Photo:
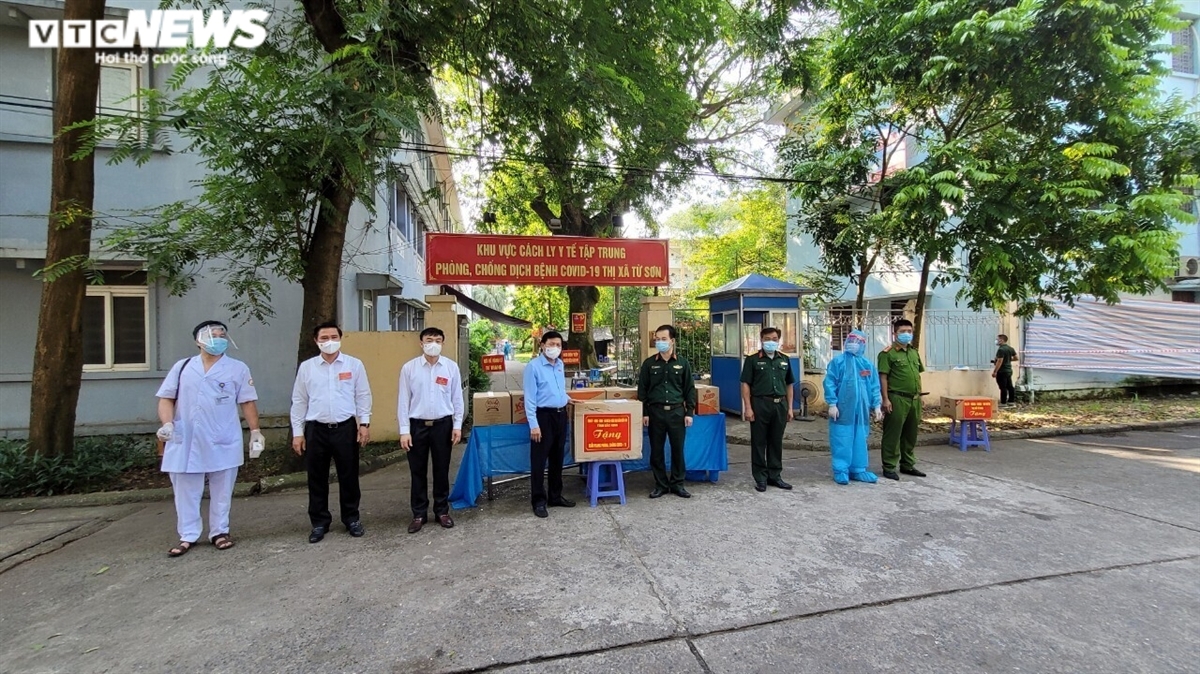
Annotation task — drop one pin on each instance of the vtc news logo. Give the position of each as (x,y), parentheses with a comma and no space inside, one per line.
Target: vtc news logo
(171,28)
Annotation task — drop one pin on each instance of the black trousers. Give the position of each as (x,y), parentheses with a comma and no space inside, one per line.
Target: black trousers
(430,439)
(548,450)
(339,444)
(1008,392)
(666,424)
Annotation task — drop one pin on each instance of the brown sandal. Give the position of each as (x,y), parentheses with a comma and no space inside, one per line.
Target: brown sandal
(222,542)
(179,550)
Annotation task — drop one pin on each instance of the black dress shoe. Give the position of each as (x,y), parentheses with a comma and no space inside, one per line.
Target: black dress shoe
(760,486)
(658,492)
(540,511)
(416,524)
(891,475)
(561,502)
(317,534)
(681,492)
(356,529)
(779,483)
(912,471)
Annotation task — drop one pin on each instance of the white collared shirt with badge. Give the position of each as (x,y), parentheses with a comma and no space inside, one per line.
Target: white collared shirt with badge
(429,391)
(208,428)
(330,392)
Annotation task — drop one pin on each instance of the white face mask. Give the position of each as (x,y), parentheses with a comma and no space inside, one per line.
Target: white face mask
(330,347)
(552,352)
(432,349)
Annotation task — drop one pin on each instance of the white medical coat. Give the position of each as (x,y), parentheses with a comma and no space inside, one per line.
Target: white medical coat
(208,430)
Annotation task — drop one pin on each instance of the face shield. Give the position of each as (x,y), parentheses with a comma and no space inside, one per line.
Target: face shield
(855,343)
(214,339)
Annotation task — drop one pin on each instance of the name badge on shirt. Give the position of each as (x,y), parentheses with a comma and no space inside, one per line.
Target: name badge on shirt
(442,381)
(343,376)
(221,400)
(864,373)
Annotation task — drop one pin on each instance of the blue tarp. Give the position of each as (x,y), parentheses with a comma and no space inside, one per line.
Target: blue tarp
(504,450)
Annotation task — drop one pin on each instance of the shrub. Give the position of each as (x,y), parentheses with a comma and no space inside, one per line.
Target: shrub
(94,465)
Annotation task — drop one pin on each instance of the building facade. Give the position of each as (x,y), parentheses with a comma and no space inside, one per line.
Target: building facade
(134,331)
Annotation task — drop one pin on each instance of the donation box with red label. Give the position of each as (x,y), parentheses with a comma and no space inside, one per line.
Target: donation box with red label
(968,408)
(607,430)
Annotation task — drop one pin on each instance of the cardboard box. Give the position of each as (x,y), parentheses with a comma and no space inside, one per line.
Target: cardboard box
(618,393)
(492,408)
(708,399)
(607,430)
(581,394)
(518,407)
(968,408)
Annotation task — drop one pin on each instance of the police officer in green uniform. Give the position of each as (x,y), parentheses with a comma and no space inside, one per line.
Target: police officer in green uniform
(668,397)
(767,393)
(900,371)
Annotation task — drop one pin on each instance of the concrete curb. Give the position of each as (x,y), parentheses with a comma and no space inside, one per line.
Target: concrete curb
(927,439)
(266,485)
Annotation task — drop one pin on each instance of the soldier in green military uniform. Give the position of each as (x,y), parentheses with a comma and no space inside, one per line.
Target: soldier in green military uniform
(668,396)
(767,393)
(900,371)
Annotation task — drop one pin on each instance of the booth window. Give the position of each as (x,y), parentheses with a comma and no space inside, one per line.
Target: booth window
(732,338)
(751,340)
(788,324)
(115,321)
(718,334)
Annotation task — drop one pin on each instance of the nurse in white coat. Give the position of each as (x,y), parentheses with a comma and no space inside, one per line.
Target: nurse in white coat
(198,407)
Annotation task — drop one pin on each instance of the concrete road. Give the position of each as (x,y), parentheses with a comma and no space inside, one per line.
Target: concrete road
(1078,554)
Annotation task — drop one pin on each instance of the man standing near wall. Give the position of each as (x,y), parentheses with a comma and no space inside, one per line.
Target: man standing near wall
(1003,371)
(331,419)
(668,393)
(767,394)
(430,410)
(900,371)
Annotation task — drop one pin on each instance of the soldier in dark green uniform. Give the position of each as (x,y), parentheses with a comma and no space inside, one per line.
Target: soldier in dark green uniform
(767,393)
(900,371)
(668,397)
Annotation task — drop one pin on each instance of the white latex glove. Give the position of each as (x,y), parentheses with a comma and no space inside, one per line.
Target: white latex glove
(833,412)
(257,442)
(878,414)
(165,433)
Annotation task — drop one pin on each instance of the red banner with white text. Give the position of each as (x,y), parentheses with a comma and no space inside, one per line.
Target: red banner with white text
(490,259)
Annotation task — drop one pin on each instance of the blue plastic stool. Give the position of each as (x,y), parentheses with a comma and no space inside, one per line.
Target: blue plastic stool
(598,488)
(970,433)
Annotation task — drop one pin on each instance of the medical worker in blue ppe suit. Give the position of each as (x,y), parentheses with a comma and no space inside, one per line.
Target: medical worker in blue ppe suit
(852,392)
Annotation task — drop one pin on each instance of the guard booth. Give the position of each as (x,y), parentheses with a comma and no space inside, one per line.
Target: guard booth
(739,310)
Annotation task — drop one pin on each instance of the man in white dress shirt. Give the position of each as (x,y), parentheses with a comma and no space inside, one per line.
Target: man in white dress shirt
(331,419)
(430,410)
(198,407)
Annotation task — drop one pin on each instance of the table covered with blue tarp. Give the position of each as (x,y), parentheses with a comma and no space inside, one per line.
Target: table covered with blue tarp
(504,450)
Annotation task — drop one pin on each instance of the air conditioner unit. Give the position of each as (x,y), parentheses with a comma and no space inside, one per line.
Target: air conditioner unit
(1189,266)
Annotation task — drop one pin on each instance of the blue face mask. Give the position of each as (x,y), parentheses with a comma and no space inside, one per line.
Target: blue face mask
(904,338)
(853,347)
(770,347)
(662,345)
(217,346)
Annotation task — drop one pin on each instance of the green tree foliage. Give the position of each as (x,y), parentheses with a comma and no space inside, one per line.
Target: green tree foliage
(739,235)
(1041,163)
(610,106)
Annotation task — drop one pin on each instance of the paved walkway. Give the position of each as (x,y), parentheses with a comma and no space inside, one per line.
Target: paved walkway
(1074,554)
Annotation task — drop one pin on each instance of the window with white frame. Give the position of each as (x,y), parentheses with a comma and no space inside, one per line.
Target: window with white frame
(116,324)
(1183,54)
(788,324)
(118,93)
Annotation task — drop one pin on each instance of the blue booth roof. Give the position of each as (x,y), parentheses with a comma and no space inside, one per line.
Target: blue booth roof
(757,284)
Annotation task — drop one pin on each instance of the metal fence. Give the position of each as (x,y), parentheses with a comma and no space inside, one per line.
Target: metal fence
(953,338)
(694,328)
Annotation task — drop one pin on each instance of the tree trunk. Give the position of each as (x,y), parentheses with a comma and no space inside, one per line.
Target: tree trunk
(324,264)
(58,354)
(922,292)
(583,300)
